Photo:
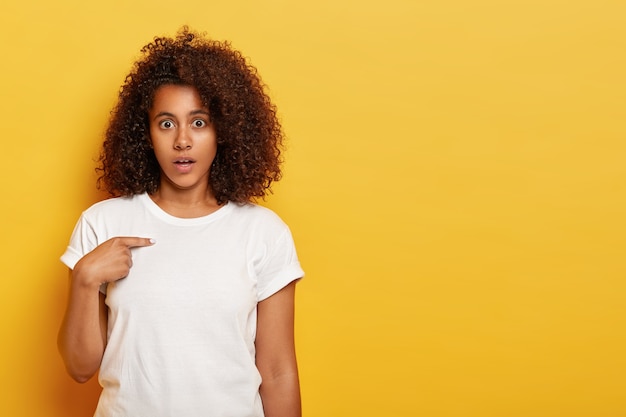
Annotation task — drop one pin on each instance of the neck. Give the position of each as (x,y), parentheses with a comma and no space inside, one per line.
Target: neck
(185,203)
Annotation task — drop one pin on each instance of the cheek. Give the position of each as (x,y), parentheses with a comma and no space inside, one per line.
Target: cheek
(208,140)
(160,147)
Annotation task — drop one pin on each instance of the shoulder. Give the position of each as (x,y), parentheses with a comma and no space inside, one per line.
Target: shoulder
(112,206)
(258,218)
(256,212)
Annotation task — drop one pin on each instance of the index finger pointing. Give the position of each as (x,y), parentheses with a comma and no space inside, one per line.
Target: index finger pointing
(134,241)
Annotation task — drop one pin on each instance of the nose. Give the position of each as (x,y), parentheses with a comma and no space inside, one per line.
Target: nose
(182,141)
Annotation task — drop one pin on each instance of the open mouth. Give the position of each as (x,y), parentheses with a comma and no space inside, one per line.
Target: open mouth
(183,165)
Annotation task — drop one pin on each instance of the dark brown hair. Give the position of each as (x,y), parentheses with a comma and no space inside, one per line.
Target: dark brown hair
(249,135)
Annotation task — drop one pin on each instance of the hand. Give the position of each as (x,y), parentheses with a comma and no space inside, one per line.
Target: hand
(109,261)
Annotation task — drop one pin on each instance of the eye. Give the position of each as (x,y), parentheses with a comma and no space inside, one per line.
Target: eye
(166,124)
(198,123)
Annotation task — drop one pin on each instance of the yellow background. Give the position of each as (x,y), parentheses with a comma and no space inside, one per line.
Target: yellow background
(455,183)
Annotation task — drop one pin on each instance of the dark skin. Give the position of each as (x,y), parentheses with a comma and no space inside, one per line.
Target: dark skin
(180,132)
(249,133)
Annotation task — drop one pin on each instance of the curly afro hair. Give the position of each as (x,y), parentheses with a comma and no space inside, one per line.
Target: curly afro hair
(249,135)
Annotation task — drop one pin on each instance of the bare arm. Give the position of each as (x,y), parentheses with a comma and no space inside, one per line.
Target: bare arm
(276,356)
(82,336)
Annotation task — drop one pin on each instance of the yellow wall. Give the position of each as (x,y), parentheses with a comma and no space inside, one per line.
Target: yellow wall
(455,184)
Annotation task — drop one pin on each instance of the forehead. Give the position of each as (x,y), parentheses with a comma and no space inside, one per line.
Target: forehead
(176,97)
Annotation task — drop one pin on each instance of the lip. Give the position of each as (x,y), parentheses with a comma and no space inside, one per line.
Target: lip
(184,164)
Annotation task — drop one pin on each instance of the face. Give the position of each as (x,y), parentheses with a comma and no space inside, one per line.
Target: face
(183,138)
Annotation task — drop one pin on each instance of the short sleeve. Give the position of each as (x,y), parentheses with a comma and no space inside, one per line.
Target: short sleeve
(279,266)
(82,241)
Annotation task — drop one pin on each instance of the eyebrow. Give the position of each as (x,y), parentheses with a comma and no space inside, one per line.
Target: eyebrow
(191,113)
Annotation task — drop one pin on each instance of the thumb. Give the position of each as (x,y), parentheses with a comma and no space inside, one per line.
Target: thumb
(134,241)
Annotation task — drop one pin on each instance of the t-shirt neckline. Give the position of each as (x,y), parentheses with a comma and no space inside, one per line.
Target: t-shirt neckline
(181,221)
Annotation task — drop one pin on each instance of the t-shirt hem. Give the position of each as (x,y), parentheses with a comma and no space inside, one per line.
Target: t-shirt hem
(291,273)
(70,257)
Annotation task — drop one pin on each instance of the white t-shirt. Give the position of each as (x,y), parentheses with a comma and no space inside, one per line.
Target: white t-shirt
(182,324)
